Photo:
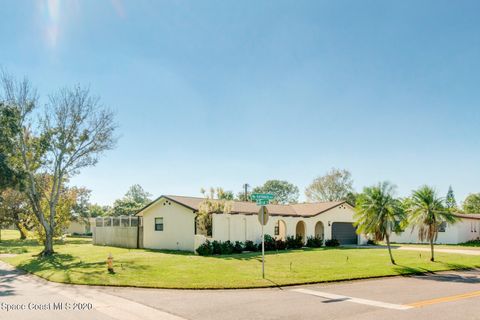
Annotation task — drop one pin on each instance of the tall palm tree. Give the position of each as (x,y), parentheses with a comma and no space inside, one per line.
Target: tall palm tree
(379,213)
(427,212)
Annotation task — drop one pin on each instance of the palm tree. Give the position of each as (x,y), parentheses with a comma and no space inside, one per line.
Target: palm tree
(379,213)
(427,211)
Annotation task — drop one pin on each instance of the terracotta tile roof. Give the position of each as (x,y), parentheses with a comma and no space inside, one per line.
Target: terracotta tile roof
(243,207)
(474,216)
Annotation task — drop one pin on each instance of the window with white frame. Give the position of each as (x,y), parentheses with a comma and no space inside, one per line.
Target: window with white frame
(159,224)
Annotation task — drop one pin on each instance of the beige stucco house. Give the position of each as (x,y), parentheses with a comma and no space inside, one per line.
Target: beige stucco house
(169,222)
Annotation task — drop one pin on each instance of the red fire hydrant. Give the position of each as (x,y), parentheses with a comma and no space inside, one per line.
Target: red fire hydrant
(110,263)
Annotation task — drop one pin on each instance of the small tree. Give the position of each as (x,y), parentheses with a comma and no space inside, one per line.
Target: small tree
(379,213)
(335,185)
(427,212)
(213,203)
(450,201)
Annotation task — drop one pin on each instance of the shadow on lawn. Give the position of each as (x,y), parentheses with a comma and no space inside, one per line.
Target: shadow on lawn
(427,274)
(70,265)
(58,261)
(406,270)
(17,246)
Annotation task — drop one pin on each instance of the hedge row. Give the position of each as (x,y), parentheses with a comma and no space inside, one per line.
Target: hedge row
(271,244)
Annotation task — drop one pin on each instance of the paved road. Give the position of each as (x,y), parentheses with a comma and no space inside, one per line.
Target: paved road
(447,295)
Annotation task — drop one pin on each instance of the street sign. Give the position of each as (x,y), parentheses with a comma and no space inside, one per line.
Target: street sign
(262,202)
(262,196)
(263,215)
(262,199)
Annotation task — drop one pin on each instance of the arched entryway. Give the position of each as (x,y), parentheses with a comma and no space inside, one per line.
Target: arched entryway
(300,230)
(319,233)
(280,231)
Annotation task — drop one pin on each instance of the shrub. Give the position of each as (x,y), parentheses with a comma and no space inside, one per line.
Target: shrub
(280,244)
(238,247)
(216,247)
(250,246)
(269,243)
(371,242)
(332,243)
(314,242)
(294,242)
(471,243)
(205,249)
(226,247)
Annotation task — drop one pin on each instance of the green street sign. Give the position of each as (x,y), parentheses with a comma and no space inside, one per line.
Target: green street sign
(262,202)
(262,196)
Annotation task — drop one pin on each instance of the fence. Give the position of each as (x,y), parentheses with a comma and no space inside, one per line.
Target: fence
(124,231)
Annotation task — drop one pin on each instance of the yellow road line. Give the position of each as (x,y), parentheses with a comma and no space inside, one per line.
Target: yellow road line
(445,299)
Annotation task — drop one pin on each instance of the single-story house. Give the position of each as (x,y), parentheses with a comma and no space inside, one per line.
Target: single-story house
(169,222)
(77,227)
(465,229)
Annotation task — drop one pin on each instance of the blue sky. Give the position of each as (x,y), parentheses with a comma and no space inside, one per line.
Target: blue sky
(219,93)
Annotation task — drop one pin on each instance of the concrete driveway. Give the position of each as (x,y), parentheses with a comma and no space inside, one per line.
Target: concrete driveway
(447,295)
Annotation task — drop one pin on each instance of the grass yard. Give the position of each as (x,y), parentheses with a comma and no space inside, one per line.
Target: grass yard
(78,261)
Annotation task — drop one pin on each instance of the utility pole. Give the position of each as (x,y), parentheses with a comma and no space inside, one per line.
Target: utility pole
(245,187)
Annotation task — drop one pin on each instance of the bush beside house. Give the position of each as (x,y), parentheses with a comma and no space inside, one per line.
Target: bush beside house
(271,244)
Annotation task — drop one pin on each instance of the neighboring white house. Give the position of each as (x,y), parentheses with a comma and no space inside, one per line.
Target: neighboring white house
(466,229)
(169,222)
(78,227)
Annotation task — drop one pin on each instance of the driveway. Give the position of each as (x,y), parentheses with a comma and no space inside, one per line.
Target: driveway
(446,295)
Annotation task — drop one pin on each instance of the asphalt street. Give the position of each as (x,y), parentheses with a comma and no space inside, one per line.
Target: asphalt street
(446,295)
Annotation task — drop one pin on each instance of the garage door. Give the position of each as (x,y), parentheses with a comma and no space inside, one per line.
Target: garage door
(344,232)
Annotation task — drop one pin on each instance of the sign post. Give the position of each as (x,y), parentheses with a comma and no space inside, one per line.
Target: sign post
(262,200)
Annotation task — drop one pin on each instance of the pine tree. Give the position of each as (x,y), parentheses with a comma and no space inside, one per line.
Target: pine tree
(450,199)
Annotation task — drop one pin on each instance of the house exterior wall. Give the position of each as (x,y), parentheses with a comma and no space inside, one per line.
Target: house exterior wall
(178,226)
(241,227)
(462,231)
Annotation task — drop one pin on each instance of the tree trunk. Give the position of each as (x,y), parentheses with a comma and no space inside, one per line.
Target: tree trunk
(431,248)
(48,244)
(23,236)
(389,249)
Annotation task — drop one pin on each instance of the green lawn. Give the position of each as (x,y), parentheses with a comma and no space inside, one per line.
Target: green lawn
(78,261)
